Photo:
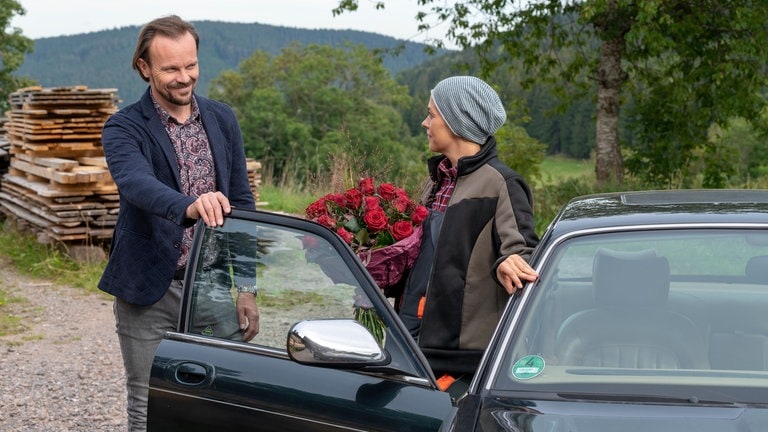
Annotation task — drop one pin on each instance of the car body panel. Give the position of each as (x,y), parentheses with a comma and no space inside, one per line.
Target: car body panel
(642,208)
(520,415)
(248,391)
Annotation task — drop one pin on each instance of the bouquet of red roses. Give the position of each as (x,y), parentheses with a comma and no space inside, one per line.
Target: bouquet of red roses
(381,224)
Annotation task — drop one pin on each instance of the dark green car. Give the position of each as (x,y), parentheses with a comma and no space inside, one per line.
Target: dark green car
(649,315)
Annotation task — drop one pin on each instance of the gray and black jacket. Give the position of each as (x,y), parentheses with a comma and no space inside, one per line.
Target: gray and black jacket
(489,217)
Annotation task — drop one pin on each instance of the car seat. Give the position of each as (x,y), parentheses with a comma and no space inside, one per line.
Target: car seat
(630,326)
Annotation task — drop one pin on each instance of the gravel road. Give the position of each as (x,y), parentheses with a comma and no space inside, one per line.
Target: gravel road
(64,372)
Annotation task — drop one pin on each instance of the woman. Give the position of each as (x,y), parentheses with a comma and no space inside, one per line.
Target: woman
(479,235)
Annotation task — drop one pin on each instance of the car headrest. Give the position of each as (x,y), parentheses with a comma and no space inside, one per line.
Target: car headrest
(757,269)
(630,278)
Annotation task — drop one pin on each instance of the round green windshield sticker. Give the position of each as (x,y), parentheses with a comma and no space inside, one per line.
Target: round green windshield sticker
(528,367)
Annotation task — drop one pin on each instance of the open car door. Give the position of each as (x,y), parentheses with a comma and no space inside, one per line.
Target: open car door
(205,377)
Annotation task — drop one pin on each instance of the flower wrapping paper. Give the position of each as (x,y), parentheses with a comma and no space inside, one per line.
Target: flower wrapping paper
(387,265)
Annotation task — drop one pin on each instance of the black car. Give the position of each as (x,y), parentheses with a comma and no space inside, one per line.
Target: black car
(650,314)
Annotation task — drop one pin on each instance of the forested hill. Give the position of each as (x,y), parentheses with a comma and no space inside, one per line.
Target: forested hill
(103,59)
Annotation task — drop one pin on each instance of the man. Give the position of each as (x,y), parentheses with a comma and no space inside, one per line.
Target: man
(176,157)
(478,236)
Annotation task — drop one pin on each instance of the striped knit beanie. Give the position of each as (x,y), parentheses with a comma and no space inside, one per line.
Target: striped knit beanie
(470,107)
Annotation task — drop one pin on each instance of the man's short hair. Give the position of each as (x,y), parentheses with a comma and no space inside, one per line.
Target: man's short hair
(170,26)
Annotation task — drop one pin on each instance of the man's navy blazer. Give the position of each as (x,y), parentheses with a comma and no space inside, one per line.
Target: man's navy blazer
(146,243)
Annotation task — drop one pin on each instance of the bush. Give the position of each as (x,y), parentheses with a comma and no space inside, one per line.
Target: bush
(550,198)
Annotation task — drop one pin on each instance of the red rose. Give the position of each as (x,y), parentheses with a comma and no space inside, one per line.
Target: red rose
(401,230)
(402,203)
(366,186)
(387,191)
(370,215)
(353,198)
(345,235)
(419,214)
(327,221)
(317,209)
(376,220)
(371,202)
(338,198)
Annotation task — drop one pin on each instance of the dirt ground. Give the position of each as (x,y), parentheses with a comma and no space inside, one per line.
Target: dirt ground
(64,372)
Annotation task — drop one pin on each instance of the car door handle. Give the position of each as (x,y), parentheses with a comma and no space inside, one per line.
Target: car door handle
(190,373)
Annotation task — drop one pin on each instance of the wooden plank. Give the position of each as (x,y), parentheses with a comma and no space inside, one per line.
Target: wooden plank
(44,188)
(61,136)
(69,111)
(56,128)
(61,146)
(93,161)
(63,153)
(55,204)
(60,164)
(23,214)
(40,112)
(93,188)
(76,174)
(68,230)
(29,168)
(89,234)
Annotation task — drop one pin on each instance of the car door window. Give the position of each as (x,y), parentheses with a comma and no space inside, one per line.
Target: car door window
(299,276)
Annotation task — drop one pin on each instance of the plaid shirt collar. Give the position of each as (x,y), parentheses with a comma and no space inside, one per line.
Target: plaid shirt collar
(446,179)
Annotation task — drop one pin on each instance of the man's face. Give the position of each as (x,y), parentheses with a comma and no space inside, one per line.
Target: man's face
(172,70)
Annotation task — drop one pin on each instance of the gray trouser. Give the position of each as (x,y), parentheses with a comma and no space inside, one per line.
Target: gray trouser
(140,330)
(213,309)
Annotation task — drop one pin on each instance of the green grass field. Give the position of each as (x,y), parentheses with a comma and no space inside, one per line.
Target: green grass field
(555,169)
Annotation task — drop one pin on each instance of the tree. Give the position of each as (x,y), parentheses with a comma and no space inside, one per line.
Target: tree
(310,104)
(13,47)
(688,63)
(521,152)
(740,156)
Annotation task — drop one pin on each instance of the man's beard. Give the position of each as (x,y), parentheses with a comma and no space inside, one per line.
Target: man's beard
(168,95)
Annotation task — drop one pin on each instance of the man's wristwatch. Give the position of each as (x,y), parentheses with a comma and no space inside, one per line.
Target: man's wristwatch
(248,289)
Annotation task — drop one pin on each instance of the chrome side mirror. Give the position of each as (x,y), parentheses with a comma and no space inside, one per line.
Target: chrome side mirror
(339,343)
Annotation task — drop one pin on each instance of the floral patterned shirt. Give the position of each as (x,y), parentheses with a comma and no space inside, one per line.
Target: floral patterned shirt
(193,153)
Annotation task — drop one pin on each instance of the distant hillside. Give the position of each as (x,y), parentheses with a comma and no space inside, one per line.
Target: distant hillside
(103,59)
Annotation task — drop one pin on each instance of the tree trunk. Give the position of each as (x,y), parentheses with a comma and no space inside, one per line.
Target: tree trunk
(609,166)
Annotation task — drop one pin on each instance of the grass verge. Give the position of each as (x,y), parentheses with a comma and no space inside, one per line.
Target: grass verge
(10,323)
(47,261)
(51,263)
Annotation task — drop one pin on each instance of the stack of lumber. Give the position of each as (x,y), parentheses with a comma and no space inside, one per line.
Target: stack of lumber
(5,156)
(254,177)
(57,184)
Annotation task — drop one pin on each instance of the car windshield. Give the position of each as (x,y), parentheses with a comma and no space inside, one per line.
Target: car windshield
(653,313)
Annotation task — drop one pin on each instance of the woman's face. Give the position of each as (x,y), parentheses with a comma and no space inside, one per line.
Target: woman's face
(439,134)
